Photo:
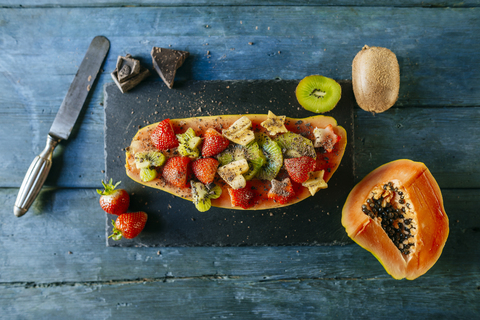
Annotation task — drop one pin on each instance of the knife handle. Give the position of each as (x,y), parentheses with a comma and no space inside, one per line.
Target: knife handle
(35,178)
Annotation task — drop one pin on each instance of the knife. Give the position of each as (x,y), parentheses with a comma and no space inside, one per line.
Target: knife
(63,124)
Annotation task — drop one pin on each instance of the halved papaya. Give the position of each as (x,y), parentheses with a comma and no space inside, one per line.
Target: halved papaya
(325,161)
(396,212)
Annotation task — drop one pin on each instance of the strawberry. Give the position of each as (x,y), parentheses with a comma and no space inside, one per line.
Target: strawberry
(113,201)
(281,191)
(175,171)
(213,143)
(244,197)
(163,137)
(298,168)
(128,225)
(205,169)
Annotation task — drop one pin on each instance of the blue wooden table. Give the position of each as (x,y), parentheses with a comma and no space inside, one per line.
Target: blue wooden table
(54,263)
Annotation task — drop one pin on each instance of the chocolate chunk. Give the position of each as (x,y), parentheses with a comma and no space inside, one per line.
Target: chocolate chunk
(166,62)
(128,73)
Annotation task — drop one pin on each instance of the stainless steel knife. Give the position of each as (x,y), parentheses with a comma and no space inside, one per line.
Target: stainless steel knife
(63,124)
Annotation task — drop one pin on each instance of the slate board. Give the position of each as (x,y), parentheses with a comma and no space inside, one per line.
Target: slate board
(173,221)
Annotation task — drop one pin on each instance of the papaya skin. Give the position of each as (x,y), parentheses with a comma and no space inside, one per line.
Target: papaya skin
(431,219)
(141,141)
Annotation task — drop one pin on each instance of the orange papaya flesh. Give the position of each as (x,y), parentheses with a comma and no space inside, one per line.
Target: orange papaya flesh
(409,187)
(305,126)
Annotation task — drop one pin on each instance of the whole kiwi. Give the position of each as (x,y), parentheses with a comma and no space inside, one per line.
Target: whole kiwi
(375,79)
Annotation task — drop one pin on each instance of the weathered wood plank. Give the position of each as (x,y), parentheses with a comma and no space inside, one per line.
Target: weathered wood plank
(288,43)
(442,138)
(39,59)
(231,298)
(35,249)
(199,3)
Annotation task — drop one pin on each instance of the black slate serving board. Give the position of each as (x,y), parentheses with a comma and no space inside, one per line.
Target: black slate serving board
(173,221)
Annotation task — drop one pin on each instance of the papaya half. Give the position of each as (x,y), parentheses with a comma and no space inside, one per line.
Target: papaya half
(327,161)
(396,212)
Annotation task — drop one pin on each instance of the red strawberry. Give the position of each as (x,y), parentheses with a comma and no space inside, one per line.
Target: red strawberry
(281,191)
(244,197)
(163,136)
(175,171)
(213,143)
(128,225)
(205,169)
(113,201)
(298,168)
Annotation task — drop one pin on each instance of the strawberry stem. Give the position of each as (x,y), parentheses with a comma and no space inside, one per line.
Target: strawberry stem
(108,188)
(117,233)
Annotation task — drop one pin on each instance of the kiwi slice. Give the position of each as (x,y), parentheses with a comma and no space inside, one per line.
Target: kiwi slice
(188,144)
(294,145)
(251,152)
(201,195)
(148,174)
(146,161)
(273,154)
(318,93)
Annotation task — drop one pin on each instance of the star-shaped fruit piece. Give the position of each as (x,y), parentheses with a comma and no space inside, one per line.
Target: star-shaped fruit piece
(315,182)
(274,124)
(281,191)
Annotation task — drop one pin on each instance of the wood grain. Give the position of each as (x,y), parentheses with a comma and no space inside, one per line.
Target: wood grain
(54,263)
(200,3)
(36,249)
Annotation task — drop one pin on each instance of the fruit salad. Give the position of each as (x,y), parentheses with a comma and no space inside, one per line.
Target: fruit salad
(238,161)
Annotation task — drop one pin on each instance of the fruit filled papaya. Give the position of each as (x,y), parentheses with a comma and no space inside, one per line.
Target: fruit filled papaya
(237,162)
(396,212)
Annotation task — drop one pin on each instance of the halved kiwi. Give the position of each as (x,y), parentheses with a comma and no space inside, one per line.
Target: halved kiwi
(318,93)
(273,154)
(294,145)
(251,152)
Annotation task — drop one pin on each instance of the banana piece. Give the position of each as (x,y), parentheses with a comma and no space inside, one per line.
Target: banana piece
(274,124)
(315,182)
(239,132)
(233,172)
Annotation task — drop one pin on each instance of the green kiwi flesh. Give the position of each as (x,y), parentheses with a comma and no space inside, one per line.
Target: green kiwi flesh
(251,152)
(294,145)
(318,93)
(273,154)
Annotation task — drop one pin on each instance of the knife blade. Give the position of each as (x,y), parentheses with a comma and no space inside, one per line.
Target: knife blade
(63,124)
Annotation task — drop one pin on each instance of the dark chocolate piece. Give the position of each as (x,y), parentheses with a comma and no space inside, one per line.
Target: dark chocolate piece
(166,62)
(128,73)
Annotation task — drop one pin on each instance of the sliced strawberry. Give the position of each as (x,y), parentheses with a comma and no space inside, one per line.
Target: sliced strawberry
(298,168)
(129,225)
(213,143)
(205,169)
(113,201)
(163,137)
(244,197)
(175,171)
(281,191)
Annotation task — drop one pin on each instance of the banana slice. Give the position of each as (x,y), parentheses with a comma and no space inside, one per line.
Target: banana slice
(233,172)
(274,124)
(239,132)
(315,182)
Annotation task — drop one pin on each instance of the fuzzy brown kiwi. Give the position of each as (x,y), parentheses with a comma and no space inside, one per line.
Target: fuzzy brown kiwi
(318,93)
(375,79)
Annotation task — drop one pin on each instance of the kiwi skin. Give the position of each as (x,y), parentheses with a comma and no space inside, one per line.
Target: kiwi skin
(375,79)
